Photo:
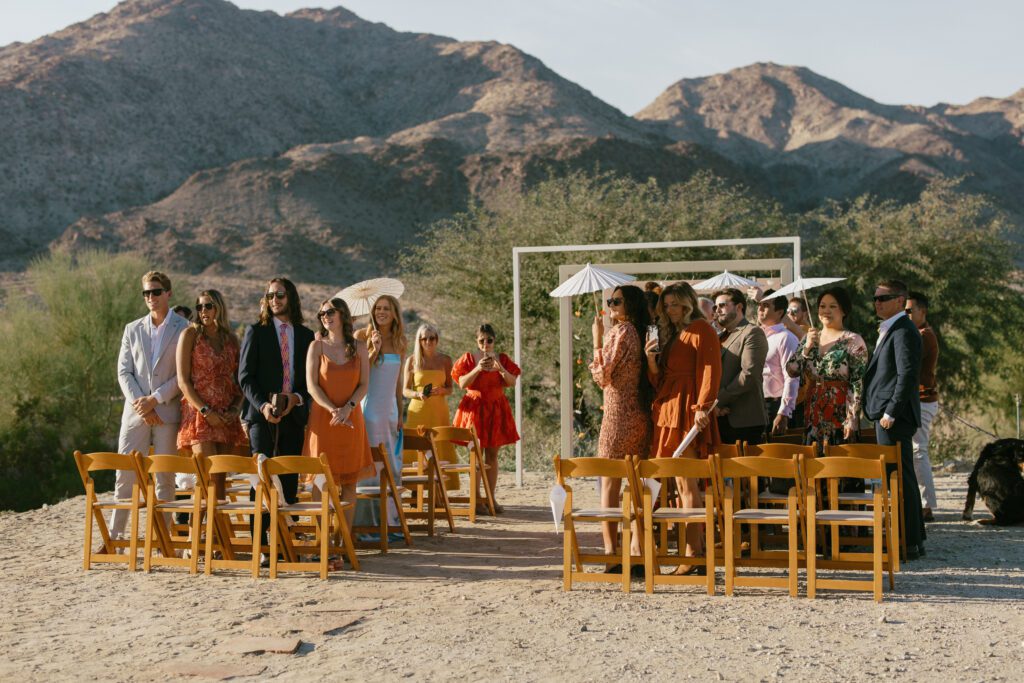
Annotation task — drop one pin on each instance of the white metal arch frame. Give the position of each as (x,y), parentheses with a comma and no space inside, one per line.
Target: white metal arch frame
(687,244)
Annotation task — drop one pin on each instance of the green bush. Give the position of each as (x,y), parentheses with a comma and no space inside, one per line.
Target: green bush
(953,246)
(58,371)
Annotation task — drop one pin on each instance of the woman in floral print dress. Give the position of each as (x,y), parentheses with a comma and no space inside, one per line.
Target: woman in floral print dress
(834,359)
(618,368)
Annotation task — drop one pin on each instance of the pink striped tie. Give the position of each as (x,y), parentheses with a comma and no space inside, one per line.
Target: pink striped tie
(286,361)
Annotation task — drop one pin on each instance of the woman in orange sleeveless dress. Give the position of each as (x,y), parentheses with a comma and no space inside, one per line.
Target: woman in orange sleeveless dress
(485,375)
(337,375)
(211,401)
(686,374)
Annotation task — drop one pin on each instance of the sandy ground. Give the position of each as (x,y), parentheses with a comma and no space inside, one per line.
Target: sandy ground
(487,602)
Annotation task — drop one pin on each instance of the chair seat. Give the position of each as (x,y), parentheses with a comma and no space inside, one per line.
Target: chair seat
(844,516)
(414,479)
(854,497)
(236,505)
(679,513)
(598,513)
(307,507)
(183,504)
(375,490)
(772,496)
(762,515)
(238,489)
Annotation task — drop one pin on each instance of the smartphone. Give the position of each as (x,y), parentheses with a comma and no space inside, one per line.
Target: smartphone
(652,333)
(427,389)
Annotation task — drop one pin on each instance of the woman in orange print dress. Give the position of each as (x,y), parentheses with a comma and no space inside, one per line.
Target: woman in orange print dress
(618,368)
(686,373)
(337,375)
(485,375)
(211,400)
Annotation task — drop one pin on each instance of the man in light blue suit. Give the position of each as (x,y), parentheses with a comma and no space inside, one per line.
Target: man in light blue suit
(148,375)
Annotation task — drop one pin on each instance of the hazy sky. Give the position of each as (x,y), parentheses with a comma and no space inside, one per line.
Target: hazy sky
(627,51)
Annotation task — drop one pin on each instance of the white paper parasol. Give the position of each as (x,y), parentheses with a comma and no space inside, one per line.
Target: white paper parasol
(723,280)
(591,279)
(800,286)
(361,296)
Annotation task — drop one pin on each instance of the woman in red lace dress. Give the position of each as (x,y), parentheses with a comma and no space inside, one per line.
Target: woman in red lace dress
(211,400)
(485,375)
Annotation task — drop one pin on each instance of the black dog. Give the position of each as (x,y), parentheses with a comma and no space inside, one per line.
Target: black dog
(997,477)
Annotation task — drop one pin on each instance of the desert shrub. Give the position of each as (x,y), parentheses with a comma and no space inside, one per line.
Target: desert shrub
(58,371)
(953,246)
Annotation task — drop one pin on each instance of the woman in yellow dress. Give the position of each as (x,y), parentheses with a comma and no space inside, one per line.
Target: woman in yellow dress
(428,367)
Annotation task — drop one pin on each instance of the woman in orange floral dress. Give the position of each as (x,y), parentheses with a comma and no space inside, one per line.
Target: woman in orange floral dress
(618,368)
(686,373)
(485,375)
(211,400)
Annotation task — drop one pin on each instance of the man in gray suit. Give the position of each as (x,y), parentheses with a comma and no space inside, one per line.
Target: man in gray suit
(148,376)
(741,415)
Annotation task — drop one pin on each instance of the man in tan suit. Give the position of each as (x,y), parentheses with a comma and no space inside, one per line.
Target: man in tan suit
(148,375)
(741,415)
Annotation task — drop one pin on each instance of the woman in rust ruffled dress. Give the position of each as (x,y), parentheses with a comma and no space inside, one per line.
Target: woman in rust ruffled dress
(686,373)
(618,368)
(211,401)
(485,375)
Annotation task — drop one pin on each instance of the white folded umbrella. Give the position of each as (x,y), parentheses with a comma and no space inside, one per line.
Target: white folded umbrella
(361,296)
(723,280)
(591,279)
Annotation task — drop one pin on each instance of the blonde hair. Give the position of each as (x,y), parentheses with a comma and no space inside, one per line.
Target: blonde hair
(397,327)
(157,276)
(417,354)
(684,292)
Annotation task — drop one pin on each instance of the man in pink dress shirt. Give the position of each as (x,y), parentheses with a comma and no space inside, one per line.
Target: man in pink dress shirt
(780,390)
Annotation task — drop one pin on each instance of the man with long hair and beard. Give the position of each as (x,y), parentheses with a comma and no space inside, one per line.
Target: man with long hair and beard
(272,361)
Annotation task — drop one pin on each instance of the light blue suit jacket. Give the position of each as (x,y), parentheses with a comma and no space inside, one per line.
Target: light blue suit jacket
(140,375)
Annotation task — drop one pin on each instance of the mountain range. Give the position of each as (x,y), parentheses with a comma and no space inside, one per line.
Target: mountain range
(226,141)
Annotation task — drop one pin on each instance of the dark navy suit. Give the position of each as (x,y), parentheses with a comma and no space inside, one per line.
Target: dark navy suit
(891,387)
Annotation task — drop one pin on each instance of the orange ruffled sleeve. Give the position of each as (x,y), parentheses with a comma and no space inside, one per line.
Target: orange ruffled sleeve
(463,366)
(709,367)
(509,365)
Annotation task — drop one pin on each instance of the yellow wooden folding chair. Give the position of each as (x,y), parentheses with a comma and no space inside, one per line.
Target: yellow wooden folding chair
(96,462)
(222,535)
(664,470)
(573,559)
(474,468)
(156,522)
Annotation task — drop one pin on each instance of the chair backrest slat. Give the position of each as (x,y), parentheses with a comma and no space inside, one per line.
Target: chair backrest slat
(594,467)
(665,468)
(756,466)
(834,467)
(178,464)
(868,451)
(779,450)
(292,464)
(230,464)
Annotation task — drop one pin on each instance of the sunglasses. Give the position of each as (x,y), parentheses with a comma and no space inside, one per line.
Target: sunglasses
(885,297)
(724,304)
(276,295)
(428,339)
(485,340)
(614,301)
(205,307)
(156,291)
(327,313)
(793,311)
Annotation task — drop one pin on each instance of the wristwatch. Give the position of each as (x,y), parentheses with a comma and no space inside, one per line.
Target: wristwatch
(204,411)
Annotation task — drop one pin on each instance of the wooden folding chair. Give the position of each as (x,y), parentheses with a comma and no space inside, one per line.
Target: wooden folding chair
(157,526)
(664,470)
(474,467)
(573,559)
(328,516)
(386,490)
(754,468)
(219,526)
(95,462)
(429,497)
(767,497)
(883,553)
(894,500)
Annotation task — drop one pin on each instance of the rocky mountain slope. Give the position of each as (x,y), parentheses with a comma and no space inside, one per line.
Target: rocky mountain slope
(227,141)
(817,138)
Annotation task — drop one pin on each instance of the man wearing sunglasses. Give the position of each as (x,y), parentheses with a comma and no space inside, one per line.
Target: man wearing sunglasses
(272,360)
(148,375)
(891,396)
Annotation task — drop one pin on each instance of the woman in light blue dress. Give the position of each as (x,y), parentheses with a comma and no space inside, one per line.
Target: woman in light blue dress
(382,407)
